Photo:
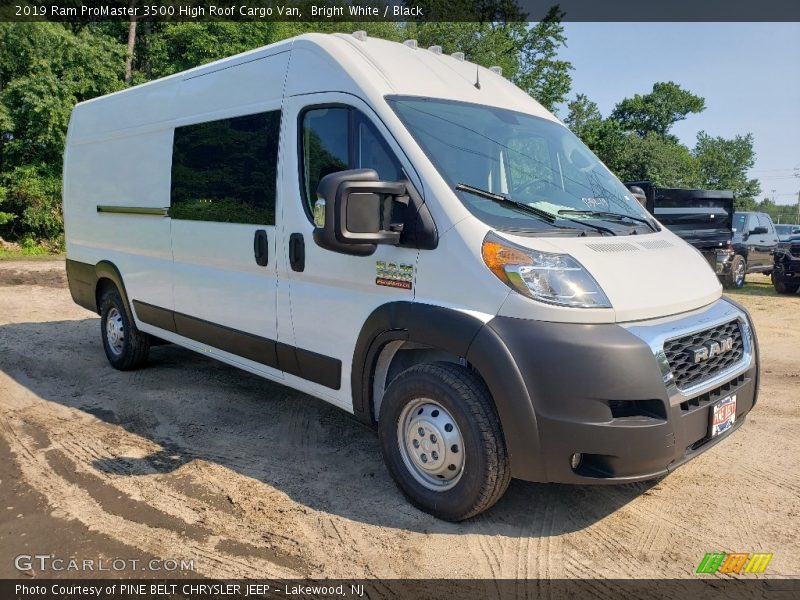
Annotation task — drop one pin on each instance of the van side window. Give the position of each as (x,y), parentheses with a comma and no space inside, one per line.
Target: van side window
(340,138)
(325,146)
(226,170)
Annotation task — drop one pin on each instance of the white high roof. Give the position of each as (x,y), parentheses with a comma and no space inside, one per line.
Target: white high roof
(369,68)
(406,70)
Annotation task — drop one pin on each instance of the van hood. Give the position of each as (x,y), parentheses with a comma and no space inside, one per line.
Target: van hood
(643,276)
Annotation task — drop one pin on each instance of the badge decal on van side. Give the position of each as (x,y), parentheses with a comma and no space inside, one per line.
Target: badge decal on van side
(394,275)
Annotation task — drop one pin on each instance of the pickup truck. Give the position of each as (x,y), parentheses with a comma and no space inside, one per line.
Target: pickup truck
(754,244)
(786,266)
(702,218)
(786,231)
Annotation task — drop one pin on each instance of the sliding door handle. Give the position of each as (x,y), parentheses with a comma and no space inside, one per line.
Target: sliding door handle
(261,248)
(297,252)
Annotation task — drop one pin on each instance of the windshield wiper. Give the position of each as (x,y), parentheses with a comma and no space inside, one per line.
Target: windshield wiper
(610,215)
(542,214)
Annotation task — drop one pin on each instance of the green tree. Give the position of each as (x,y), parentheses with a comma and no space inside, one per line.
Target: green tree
(582,115)
(165,48)
(174,47)
(49,70)
(767,205)
(5,217)
(662,161)
(723,165)
(635,143)
(33,197)
(527,54)
(657,111)
(605,137)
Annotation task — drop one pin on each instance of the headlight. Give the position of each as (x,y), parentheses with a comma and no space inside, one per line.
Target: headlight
(544,276)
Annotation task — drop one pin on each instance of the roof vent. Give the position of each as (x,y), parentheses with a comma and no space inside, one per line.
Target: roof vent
(360,35)
(411,44)
(497,70)
(435,49)
(458,55)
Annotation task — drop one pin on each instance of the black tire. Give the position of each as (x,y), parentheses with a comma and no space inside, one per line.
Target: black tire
(736,276)
(785,287)
(486,470)
(129,350)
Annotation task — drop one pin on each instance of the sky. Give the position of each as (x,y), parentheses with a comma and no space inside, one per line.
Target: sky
(748,73)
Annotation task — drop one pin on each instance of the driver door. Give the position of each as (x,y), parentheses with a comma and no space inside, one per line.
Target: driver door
(330,295)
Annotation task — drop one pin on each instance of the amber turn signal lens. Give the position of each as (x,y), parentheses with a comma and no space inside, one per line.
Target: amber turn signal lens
(497,256)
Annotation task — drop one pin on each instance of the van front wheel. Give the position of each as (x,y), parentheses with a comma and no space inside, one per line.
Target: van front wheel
(126,347)
(442,441)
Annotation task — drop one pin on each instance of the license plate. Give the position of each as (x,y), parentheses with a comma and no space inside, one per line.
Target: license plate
(723,415)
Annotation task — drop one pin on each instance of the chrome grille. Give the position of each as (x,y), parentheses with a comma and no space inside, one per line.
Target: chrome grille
(685,371)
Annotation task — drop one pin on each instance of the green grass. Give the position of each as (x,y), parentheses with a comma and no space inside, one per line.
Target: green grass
(30,253)
(755,285)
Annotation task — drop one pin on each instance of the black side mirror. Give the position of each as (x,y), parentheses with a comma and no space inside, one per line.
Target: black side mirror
(355,212)
(758,231)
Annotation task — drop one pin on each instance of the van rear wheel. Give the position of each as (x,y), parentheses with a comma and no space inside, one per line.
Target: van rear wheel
(126,347)
(442,441)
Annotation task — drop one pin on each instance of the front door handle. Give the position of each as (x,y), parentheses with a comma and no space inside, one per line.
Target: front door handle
(261,248)
(297,252)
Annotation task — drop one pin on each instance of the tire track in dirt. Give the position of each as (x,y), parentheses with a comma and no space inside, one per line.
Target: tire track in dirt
(72,502)
(777,478)
(509,544)
(70,499)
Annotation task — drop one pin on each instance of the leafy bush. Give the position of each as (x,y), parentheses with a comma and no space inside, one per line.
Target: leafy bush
(5,217)
(33,198)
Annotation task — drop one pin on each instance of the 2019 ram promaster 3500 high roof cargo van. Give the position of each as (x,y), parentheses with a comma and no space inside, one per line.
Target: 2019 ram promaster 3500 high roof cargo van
(414,239)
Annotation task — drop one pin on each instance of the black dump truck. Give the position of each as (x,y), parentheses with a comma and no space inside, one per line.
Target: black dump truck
(703,218)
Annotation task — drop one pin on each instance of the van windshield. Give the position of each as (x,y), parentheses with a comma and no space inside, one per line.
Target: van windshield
(531,160)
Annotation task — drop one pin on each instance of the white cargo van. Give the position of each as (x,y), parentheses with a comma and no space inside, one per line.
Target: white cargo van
(412,238)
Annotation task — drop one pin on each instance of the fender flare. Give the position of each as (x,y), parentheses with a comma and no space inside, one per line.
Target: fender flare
(742,250)
(462,335)
(107,270)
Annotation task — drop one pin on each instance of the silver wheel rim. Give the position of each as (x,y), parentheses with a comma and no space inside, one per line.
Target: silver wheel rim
(115,331)
(431,444)
(739,272)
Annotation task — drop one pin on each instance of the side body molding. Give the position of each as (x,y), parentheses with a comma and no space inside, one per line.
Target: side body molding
(465,336)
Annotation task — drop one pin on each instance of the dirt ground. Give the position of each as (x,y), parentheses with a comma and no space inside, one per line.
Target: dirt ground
(191,459)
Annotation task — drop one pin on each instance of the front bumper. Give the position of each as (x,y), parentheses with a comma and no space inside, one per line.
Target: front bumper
(787,267)
(608,393)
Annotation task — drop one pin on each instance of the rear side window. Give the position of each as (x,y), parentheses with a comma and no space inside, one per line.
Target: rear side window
(226,170)
(338,138)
